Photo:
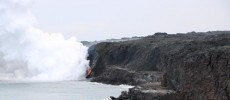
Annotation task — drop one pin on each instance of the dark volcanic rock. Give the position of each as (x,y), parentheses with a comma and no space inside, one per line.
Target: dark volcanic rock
(202,74)
(137,93)
(92,54)
(116,75)
(194,65)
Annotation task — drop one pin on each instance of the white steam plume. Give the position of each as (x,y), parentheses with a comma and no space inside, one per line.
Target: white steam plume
(27,53)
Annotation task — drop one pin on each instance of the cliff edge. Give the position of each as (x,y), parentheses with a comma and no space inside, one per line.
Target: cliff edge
(192,66)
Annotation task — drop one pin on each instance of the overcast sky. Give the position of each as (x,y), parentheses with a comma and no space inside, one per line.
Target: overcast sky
(102,19)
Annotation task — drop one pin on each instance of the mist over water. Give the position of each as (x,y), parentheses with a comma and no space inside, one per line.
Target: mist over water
(29,54)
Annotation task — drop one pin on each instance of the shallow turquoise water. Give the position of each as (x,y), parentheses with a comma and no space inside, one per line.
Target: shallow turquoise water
(74,90)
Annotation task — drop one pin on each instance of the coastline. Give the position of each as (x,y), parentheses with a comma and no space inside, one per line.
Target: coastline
(177,66)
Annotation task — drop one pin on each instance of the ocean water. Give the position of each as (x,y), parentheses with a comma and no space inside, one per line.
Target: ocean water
(71,90)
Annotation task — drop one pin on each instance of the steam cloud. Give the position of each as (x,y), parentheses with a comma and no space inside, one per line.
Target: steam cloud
(27,53)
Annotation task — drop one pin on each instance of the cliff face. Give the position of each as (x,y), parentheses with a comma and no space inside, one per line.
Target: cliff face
(200,70)
(191,66)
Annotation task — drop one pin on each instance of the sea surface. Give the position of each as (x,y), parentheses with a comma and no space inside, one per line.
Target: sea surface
(71,90)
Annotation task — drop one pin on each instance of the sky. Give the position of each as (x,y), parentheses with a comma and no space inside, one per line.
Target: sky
(105,19)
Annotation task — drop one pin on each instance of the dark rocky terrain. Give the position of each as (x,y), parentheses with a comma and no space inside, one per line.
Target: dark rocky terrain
(192,66)
(90,43)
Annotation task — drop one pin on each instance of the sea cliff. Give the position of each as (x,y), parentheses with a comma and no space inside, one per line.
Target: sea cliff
(191,66)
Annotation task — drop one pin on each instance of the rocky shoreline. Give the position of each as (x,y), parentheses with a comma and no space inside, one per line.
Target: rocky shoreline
(192,66)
